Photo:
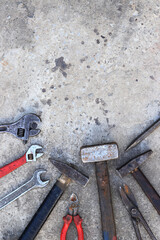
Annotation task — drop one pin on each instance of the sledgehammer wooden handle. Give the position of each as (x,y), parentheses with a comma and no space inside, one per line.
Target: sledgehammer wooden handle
(100,154)
(107,216)
(147,188)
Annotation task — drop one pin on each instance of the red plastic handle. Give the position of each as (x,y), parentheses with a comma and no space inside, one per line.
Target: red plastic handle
(67,221)
(78,222)
(12,166)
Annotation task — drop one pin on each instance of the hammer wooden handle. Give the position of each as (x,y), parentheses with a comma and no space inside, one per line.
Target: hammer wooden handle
(107,216)
(147,189)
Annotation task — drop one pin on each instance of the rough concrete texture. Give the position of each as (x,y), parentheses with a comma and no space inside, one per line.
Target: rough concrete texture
(90,69)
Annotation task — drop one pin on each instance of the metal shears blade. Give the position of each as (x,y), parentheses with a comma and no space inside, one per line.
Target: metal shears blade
(131,205)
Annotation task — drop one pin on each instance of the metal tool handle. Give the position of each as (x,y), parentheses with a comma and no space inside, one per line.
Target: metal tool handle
(147,189)
(12,166)
(16,193)
(107,216)
(143,221)
(42,213)
(135,225)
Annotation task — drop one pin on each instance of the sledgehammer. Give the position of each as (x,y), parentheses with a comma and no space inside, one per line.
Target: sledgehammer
(100,154)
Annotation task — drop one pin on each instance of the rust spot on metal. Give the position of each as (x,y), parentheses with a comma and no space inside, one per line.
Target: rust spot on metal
(126,188)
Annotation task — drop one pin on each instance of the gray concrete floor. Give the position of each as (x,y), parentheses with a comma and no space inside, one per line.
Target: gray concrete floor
(90,69)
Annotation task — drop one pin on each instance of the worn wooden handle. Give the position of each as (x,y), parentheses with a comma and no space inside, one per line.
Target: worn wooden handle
(107,216)
(147,189)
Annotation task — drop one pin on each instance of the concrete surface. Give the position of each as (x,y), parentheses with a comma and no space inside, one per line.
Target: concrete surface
(90,69)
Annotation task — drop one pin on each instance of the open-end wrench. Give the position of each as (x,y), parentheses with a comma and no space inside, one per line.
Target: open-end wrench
(31,155)
(23,128)
(34,182)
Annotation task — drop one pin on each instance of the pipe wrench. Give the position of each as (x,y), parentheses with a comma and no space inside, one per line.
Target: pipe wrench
(34,152)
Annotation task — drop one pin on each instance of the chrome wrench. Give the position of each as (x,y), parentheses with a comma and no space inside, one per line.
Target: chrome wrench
(34,182)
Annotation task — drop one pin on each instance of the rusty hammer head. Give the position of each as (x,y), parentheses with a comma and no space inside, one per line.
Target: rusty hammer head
(70,172)
(133,164)
(99,153)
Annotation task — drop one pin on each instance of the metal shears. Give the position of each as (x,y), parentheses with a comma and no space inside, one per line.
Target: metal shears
(131,205)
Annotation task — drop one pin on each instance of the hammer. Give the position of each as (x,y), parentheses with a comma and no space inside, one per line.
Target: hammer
(68,174)
(132,166)
(99,154)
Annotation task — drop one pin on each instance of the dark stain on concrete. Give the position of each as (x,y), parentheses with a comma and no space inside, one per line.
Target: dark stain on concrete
(28,7)
(43,101)
(61,65)
(36,105)
(83,59)
(49,102)
(110,126)
(47,61)
(97,100)
(43,90)
(63,73)
(9,236)
(151,77)
(131,19)
(97,122)
(66,99)
(22,109)
(96,31)
(101,101)
(105,112)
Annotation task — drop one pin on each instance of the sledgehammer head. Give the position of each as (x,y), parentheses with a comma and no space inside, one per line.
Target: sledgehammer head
(99,153)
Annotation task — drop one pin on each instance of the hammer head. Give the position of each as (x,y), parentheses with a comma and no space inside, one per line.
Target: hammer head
(70,172)
(99,153)
(133,164)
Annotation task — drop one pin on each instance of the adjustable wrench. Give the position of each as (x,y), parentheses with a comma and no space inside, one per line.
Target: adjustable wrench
(34,182)
(23,128)
(29,156)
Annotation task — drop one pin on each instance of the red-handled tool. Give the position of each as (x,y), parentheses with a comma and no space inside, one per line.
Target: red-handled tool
(31,155)
(73,208)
